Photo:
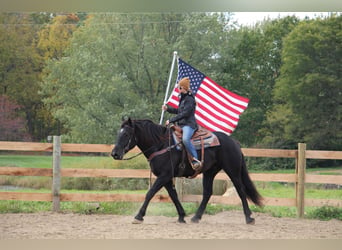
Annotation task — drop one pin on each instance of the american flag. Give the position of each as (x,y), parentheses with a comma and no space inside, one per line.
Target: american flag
(217,108)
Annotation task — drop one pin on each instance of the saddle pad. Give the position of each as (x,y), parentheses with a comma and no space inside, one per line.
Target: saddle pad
(209,138)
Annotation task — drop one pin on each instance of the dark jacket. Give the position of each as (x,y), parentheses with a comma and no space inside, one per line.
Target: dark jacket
(185,112)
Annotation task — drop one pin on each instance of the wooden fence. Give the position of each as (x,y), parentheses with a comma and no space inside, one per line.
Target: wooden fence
(300,177)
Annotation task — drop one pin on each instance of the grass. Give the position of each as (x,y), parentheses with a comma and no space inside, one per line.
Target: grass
(26,161)
(287,190)
(45,161)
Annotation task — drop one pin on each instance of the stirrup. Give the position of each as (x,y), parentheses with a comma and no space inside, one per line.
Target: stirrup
(196,164)
(197,167)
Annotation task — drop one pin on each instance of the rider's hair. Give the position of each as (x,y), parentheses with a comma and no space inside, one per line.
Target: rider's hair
(185,83)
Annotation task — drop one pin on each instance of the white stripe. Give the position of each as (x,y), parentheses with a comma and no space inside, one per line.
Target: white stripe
(173,101)
(210,125)
(213,119)
(220,97)
(224,116)
(231,98)
(214,105)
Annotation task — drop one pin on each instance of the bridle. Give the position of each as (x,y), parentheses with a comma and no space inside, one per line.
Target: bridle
(154,154)
(127,146)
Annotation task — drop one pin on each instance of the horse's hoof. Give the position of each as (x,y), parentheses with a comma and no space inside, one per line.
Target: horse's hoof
(181,221)
(250,221)
(195,220)
(136,221)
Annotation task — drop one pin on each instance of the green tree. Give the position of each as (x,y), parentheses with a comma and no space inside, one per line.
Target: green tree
(249,66)
(27,41)
(20,66)
(118,64)
(55,36)
(309,90)
(51,42)
(84,89)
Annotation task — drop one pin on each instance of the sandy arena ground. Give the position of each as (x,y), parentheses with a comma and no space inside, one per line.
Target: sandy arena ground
(225,225)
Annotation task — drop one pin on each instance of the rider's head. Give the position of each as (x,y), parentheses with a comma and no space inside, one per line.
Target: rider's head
(184,83)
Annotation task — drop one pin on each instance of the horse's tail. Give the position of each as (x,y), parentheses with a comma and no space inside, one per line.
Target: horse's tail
(251,191)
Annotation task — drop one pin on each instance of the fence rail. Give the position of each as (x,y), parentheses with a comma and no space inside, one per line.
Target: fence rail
(299,177)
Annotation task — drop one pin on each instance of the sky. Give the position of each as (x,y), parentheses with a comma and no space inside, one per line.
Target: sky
(250,18)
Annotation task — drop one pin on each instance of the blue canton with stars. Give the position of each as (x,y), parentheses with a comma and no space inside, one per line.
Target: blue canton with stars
(196,77)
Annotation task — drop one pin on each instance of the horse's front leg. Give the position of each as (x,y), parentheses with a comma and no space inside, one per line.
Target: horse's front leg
(174,197)
(208,180)
(157,185)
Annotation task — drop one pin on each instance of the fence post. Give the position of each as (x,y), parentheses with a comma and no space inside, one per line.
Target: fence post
(179,185)
(300,185)
(56,173)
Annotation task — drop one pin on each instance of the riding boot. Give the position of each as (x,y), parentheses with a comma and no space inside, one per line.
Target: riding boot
(196,164)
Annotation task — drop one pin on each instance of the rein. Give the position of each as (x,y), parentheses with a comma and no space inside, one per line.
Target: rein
(154,154)
(132,157)
(162,151)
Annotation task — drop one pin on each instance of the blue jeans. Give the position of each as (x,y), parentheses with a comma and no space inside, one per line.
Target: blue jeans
(187,134)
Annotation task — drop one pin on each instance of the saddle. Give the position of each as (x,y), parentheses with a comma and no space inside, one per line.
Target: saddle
(201,139)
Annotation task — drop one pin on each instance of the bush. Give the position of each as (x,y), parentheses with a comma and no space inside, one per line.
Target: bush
(267,164)
(326,213)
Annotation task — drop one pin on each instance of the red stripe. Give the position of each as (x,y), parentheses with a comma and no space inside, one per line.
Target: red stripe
(216,127)
(214,116)
(220,103)
(223,129)
(211,114)
(240,98)
(227,92)
(174,96)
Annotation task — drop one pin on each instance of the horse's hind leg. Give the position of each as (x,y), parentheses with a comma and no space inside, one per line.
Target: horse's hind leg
(174,197)
(240,188)
(208,180)
(157,185)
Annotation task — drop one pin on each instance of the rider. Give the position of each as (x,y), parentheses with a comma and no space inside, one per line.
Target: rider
(185,118)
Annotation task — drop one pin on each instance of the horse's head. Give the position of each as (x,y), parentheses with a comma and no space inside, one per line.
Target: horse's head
(126,140)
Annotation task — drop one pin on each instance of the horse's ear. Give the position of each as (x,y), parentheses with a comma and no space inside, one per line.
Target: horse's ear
(124,118)
(127,120)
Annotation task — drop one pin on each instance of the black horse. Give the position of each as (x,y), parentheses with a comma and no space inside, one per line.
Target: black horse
(165,162)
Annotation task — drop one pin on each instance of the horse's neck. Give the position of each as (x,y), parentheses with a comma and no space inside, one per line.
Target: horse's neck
(149,136)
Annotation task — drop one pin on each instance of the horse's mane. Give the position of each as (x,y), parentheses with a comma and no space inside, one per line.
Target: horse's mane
(155,131)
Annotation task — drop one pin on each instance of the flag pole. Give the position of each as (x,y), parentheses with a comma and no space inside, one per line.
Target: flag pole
(168,84)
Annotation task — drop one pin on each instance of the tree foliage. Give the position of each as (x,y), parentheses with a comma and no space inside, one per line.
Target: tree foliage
(20,66)
(117,64)
(309,90)
(54,38)
(26,41)
(249,66)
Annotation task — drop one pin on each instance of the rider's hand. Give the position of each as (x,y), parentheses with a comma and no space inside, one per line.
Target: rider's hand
(164,107)
(167,122)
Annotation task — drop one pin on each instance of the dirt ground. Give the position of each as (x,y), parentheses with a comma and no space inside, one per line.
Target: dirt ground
(225,225)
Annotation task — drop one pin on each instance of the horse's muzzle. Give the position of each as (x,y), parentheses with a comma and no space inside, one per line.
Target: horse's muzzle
(116,156)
